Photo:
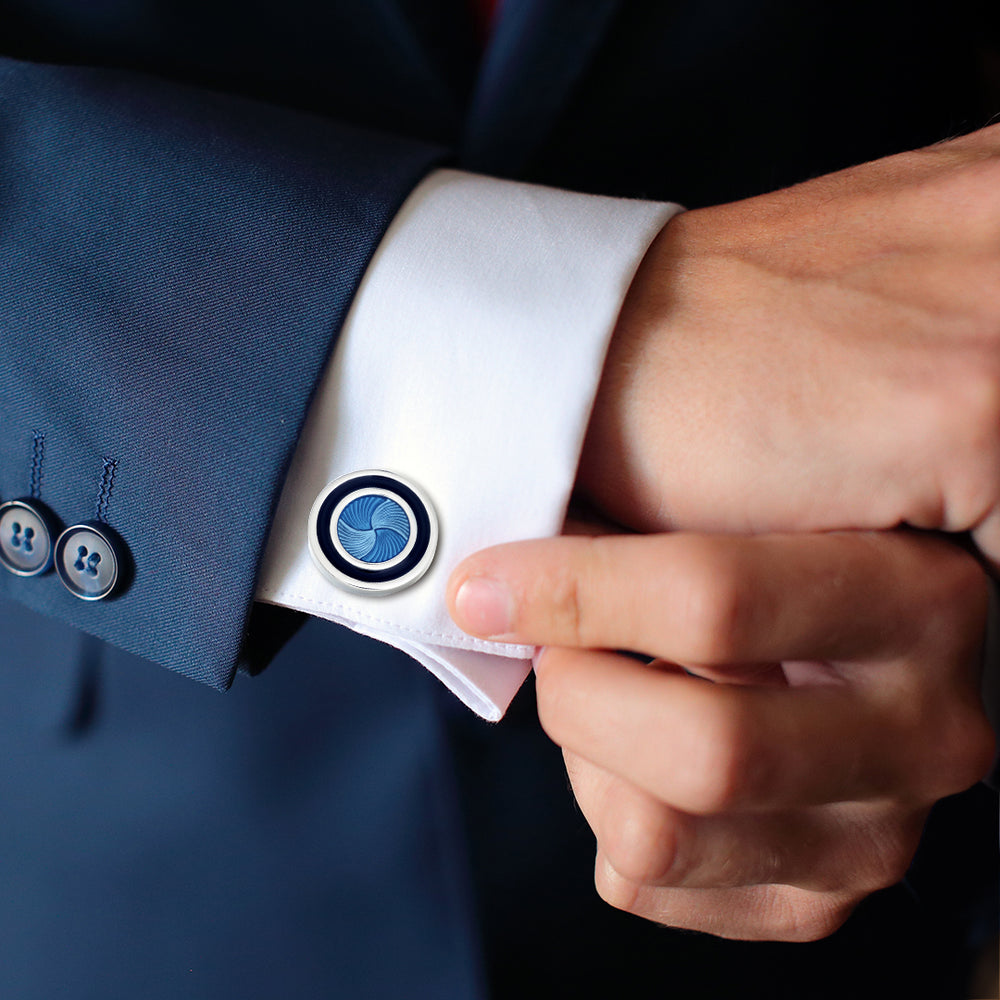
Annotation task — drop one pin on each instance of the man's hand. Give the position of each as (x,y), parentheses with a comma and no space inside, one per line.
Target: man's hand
(824,357)
(768,803)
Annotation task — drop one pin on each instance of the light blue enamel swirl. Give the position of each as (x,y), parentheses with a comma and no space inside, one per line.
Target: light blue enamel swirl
(373,528)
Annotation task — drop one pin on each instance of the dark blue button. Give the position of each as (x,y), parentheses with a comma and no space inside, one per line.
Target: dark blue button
(373,531)
(90,559)
(27,530)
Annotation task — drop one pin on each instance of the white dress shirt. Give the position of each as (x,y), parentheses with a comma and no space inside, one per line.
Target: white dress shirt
(468,364)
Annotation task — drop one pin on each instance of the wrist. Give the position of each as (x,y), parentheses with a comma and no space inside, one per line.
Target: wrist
(619,467)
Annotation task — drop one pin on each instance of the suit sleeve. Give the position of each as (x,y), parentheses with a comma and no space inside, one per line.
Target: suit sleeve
(174,269)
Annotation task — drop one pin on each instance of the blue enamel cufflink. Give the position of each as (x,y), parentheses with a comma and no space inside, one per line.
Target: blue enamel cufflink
(373,532)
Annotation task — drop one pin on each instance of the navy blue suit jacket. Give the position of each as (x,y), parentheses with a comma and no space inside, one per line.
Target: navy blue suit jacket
(189,195)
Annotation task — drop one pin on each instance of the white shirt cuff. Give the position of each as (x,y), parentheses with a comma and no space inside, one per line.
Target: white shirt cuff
(468,364)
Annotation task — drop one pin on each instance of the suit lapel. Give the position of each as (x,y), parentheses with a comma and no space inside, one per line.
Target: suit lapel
(538,52)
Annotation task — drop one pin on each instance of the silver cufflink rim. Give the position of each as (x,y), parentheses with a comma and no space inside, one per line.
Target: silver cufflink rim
(405,567)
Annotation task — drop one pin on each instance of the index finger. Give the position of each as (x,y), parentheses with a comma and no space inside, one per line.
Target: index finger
(715,599)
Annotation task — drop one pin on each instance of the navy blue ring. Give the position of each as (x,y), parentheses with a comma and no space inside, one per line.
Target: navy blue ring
(392,486)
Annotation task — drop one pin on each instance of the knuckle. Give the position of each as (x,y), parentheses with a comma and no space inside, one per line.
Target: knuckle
(957,746)
(576,593)
(640,843)
(724,768)
(564,599)
(957,750)
(613,888)
(959,742)
(715,601)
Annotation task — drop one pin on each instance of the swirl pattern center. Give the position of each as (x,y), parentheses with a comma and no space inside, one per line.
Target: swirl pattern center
(373,528)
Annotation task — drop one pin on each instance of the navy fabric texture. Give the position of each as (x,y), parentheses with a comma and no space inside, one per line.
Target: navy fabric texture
(295,838)
(174,268)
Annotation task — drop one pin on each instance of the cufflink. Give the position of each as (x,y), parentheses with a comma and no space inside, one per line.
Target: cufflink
(27,528)
(372,532)
(91,560)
